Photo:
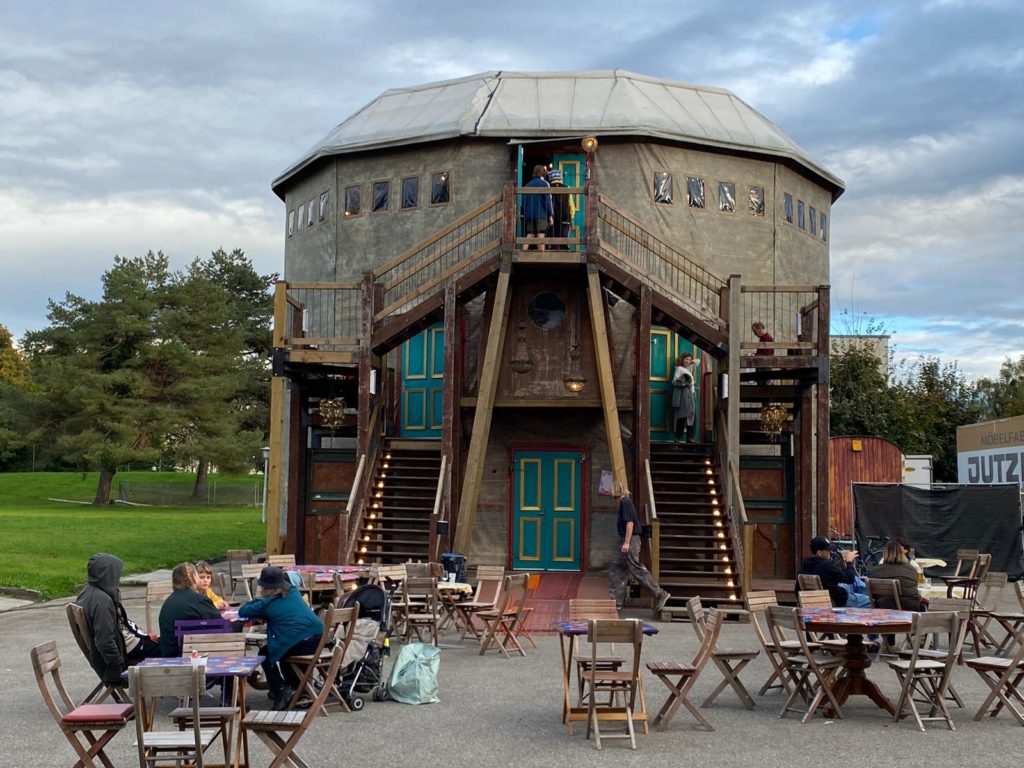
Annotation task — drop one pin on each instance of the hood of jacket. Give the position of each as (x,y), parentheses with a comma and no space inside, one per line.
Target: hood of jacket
(105,573)
(811,564)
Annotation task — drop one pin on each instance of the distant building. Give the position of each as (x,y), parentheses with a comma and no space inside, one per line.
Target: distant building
(991,452)
(876,345)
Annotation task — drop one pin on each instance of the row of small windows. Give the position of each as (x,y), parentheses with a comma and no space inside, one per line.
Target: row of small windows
(306,216)
(809,220)
(696,195)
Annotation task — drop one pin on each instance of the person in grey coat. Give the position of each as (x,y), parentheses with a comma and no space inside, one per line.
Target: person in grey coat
(684,402)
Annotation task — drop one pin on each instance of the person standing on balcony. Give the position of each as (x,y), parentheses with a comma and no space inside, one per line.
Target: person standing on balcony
(538,213)
(626,562)
(762,336)
(561,206)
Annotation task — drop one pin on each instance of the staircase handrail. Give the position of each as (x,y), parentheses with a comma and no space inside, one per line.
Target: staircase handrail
(361,484)
(655,523)
(651,505)
(736,511)
(438,511)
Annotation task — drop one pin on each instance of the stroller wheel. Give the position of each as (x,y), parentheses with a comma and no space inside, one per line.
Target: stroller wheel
(380,693)
(356,703)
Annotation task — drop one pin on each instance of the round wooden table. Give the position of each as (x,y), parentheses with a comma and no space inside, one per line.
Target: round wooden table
(854,623)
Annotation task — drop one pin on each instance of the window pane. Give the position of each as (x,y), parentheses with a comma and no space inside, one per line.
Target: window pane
(800,213)
(291,223)
(824,226)
(755,198)
(440,189)
(381,193)
(352,201)
(788,202)
(726,196)
(411,192)
(311,213)
(663,187)
(812,217)
(324,199)
(694,192)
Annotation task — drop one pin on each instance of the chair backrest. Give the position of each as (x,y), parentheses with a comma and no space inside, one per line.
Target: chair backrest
(532,587)
(184,681)
(380,573)
(927,626)
(783,619)
(984,563)
(885,593)
(417,570)
(489,579)
(757,603)
(422,591)
(184,627)
(814,598)
(281,561)
(345,624)
(214,644)
(958,604)
(80,629)
(236,558)
(598,608)
(249,573)
(156,593)
(698,616)
(46,663)
(968,557)
(1018,589)
(517,585)
(990,592)
(709,642)
(614,631)
(808,581)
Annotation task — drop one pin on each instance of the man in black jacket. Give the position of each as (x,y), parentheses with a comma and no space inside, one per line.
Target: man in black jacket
(183,603)
(832,576)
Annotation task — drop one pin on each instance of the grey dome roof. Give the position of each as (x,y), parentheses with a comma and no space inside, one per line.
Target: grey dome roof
(530,105)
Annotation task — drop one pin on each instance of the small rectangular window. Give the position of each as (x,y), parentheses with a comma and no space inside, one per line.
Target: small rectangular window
(291,223)
(381,196)
(800,213)
(787,201)
(755,201)
(727,196)
(663,192)
(311,212)
(694,192)
(812,220)
(353,201)
(410,192)
(324,200)
(440,188)
(824,226)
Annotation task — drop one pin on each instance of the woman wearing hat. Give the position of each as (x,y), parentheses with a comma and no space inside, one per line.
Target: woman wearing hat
(292,630)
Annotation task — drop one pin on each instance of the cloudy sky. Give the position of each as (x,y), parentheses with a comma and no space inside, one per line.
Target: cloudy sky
(126,127)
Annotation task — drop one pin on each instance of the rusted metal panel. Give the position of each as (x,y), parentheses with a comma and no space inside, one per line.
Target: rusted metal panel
(858,460)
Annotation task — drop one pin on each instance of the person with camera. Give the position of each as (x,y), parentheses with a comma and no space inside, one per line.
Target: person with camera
(840,581)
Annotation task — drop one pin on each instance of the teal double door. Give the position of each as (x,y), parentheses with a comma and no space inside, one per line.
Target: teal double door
(666,347)
(423,384)
(547,504)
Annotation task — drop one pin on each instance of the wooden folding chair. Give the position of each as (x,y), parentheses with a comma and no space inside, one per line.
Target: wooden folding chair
(339,624)
(1012,622)
(422,611)
(500,624)
(249,573)
(281,561)
(388,576)
(236,558)
(923,674)
(946,605)
(1003,676)
(585,610)
(886,593)
(489,579)
(757,603)
(812,672)
(730,662)
(213,644)
(530,602)
(156,593)
(623,682)
(83,638)
(158,746)
(977,571)
(820,598)
(681,676)
(808,581)
(986,604)
(96,724)
(269,725)
(184,627)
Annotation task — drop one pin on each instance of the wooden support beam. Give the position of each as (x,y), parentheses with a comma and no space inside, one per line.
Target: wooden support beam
(821,404)
(602,353)
(489,370)
(804,449)
(451,427)
(275,476)
(642,402)
(364,403)
(733,405)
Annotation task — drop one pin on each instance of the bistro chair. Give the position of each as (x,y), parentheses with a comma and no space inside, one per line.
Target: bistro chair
(1012,622)
(236,558)
(83,638)
(808,581)
(184,627)
(249,573)
(213,644)
(585,610)
(489,579)
(156,593)
(730,662)
(272,727)
(886,593)
(990,592)
(924,675)
(937,650)
(183,681)
(422,611)
(500,624)
(1003,676)
(87,727)
(281,561)
(339,624)
(622,682)
(812,672)
(969,584)
(680,676)
(529,604)
(757,603)
(820,598)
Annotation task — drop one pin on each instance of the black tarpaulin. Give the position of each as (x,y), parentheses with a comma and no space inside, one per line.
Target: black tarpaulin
(938,521)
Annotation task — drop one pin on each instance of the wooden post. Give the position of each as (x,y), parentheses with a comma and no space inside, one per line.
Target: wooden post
(822,452)
(642,404)
(365,366)
(733,408)
(489,370)
(604,376)
(450,422)
(278,393)
(509,211)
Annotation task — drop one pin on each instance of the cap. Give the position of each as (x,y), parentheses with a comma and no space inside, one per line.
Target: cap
(819,543)
(273,577)
(554,175)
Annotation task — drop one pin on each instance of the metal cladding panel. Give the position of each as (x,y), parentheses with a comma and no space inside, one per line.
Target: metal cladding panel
(877,461)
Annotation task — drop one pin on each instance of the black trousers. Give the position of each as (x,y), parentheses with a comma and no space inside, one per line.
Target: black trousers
(278,676)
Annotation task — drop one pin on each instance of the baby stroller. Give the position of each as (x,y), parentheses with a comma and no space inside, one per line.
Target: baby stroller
(363,666)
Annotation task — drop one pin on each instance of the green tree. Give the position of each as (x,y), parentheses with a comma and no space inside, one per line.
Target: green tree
(14,382)
(1002,397)
(13,366)
(862,403)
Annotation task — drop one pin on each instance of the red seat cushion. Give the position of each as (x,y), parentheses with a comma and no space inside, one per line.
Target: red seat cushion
(99,713)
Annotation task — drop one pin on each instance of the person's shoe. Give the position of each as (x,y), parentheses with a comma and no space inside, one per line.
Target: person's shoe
(663,597)
(282,698)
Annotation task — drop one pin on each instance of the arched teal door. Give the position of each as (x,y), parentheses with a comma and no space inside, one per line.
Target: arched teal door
(423,384)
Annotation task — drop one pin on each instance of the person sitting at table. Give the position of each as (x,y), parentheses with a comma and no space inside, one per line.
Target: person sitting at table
(896,565)
(292,630)
(117,641)
(840,582)
(204,578)
(184,602)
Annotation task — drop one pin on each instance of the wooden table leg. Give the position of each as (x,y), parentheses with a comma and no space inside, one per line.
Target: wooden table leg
(855,682)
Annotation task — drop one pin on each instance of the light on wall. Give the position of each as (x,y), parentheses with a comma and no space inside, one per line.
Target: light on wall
(574,379)
(589,144)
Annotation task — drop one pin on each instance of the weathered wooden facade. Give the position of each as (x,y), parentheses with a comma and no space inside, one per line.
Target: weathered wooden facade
(439,384)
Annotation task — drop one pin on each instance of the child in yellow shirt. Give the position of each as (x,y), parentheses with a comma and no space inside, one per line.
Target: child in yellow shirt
(204,578)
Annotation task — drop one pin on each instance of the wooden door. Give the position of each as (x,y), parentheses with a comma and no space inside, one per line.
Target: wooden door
(574,171)
(547,508)
(423,384)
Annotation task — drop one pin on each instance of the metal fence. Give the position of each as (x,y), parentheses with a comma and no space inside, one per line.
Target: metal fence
(219,493)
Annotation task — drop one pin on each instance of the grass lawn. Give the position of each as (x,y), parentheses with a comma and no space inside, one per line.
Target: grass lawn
(45,545)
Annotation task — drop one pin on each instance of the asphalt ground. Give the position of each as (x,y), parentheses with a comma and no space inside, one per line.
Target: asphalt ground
(506,712)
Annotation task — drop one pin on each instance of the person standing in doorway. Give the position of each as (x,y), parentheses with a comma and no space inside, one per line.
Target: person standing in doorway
(560,206)
(538,214)
(684,400)
(626,562)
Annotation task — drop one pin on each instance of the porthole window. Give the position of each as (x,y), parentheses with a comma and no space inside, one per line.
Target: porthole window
(694,192)
(381,196)
(353,201)
(726,197)
(663,188)
(410,192)
(547,310)
(440,188)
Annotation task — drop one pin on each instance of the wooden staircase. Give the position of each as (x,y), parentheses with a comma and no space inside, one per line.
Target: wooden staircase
(697,557)
(396,523)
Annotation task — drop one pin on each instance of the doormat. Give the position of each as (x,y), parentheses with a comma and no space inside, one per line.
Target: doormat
(552,604)
(559,586)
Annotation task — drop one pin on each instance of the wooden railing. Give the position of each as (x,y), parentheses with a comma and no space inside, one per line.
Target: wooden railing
(656,262)
(735,510)
(438,514)
(356,508)
(793,314)
(574,239)
(322,315)
(652,516)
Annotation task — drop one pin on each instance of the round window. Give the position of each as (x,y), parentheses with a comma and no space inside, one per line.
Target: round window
(547,310)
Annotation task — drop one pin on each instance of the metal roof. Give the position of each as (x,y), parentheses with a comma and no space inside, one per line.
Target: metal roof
(553,104)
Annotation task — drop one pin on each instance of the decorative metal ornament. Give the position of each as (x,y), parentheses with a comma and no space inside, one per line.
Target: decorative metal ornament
(574,380)
(332,412)
(521,362)
(773,419)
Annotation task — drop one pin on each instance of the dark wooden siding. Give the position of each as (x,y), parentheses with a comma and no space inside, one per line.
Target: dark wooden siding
(876,461)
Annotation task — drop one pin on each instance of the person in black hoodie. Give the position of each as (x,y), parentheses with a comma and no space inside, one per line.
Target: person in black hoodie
(832,576)
(117,642)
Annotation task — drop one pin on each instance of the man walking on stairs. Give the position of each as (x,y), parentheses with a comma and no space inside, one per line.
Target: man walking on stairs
(626,562)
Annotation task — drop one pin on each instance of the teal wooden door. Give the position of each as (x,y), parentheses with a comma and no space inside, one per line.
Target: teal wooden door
(666,346)
(574,171)
(423,384)
(546,507)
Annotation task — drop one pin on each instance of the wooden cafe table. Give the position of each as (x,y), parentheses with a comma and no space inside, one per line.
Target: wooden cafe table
(854,623)
(568,632)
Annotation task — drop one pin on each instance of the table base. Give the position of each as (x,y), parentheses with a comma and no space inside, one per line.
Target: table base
(855,682)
